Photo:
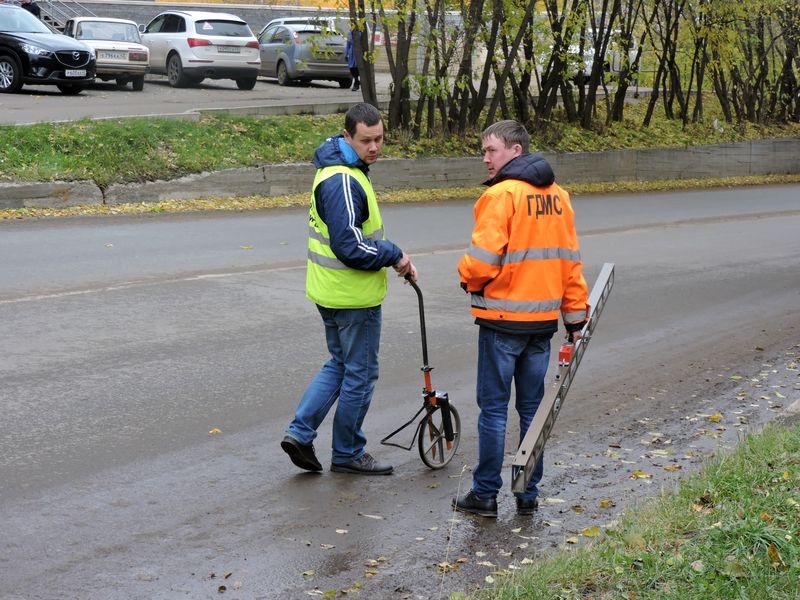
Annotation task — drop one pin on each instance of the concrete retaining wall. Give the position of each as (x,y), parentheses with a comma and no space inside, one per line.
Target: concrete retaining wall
(761,157)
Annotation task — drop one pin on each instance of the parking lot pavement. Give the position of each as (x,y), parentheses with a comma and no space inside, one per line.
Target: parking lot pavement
(105,100)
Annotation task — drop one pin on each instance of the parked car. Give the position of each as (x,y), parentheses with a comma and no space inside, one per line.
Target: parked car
(303,53)
(32,53)
(116,42)
(189,46)
(342,24)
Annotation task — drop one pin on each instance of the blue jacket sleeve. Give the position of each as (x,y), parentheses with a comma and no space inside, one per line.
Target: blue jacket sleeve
(342,204)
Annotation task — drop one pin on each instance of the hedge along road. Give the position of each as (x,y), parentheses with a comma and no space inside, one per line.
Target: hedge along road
(105,100)
(128,340)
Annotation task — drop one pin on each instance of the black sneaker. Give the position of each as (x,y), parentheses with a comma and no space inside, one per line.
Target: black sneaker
(527,507)
(366,465)
(301,454)
(470,503)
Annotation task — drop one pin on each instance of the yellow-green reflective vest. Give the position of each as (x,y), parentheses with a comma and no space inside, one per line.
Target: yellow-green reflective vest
(329,282)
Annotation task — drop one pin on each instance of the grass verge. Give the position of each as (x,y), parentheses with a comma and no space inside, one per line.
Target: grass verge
(147,149)
(728,532)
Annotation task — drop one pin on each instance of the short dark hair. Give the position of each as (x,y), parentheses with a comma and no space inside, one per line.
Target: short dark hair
(509,132)
(361,113)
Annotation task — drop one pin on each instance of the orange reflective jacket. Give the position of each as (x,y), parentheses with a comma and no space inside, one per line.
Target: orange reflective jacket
(524,263)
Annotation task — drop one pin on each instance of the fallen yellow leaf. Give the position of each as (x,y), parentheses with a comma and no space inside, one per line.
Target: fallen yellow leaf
(639,474)
(593,531)
(215,431)
(775,556)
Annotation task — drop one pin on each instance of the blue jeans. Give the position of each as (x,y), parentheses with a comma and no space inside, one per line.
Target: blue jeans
(353,337)
(501,358)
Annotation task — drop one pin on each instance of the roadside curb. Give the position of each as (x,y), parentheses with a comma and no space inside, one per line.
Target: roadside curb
(778,156)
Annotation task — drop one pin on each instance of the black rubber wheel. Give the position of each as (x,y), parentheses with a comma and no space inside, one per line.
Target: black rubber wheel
(246,84)
(177,78)
(434,449)
(10,74)
(138,83)
(283,74)
(345,83)
(70,89)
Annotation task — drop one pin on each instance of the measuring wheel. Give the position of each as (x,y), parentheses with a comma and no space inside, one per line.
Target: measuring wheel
(434,449)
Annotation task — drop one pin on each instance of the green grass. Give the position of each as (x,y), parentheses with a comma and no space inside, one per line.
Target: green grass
(130,150)
(729,532)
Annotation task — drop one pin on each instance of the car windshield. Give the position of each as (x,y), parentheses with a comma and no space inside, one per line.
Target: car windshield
(224,28)
(17,20)
(107,30)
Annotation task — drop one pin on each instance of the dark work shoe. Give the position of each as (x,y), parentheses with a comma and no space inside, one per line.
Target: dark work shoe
(301,454)
(366,465)
(527,507)
(470,503)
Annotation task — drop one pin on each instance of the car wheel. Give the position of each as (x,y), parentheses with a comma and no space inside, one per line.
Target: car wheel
(10,74)
(70,89)
(138,83)
(345,82)
(283,74)
(122,81)
(177,78)
(246,84)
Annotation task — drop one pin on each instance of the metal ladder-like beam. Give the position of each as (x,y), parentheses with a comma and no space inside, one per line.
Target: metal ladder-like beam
(532,445)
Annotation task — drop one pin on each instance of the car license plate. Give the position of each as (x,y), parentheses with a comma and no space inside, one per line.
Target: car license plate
(75,73)
(113,55)
(230,49)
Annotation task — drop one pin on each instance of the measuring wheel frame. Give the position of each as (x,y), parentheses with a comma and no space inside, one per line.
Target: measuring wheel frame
(439,431)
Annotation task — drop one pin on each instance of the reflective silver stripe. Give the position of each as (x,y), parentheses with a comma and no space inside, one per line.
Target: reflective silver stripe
(316,235)
(522,255)
(484,255)
(574,317)
(517,306)
(326,261)
(541,254)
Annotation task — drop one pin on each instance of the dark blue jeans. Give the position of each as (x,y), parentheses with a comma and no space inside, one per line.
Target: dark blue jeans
(504,357)
(353,337)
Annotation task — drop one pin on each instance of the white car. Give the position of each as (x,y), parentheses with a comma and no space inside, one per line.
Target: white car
(189,46)
(120,55)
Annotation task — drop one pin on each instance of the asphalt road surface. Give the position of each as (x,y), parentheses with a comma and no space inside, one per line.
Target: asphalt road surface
(127,341)
(45,103)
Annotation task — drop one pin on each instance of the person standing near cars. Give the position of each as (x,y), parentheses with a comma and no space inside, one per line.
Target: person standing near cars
(32,7)
(346,278)
(352,63)
(523,267)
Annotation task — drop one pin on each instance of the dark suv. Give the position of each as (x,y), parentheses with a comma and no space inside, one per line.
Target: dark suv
(31,53)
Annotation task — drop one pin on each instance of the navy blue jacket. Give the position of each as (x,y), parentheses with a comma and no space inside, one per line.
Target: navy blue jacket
(532,168)
(342,205)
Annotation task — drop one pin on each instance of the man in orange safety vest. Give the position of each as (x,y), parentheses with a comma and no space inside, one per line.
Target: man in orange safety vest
(523,269)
